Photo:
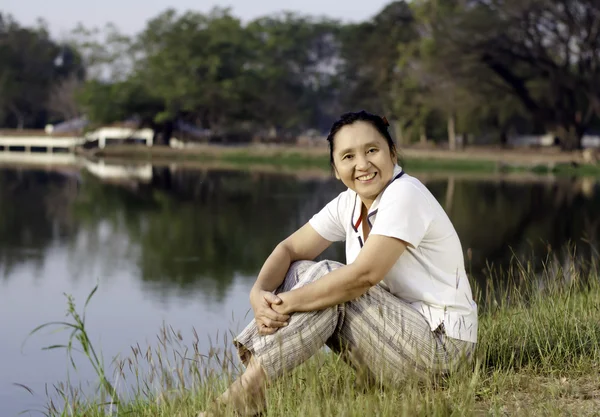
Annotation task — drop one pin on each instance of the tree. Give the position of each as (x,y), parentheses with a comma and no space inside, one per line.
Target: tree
(410,91)
(106,102)
(184,67)
(371,54)
(193,64)
(293,66)
(30,65)
(62,101)
(545,53)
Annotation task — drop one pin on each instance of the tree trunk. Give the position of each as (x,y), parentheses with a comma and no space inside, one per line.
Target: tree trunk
(570,137)
(451,133)
(19,116)
(503,138)
(399,133)
(163,136)
(422,135)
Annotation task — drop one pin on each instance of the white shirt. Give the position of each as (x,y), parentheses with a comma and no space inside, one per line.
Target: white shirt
(430,274)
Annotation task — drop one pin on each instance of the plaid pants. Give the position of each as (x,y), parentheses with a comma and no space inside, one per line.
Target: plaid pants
(378,333)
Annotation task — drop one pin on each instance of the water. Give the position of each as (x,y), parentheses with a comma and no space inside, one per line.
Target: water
(182,247)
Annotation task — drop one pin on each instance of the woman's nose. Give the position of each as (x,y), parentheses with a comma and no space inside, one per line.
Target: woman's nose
(362,163)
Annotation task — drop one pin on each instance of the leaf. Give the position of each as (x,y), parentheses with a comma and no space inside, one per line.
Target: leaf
(54,347)
(24,387)
(52,323)
(90,296)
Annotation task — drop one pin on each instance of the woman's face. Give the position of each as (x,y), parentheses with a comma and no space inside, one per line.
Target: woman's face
(362,160)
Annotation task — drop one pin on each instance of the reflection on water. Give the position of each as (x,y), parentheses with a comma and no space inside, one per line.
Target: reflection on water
(184,245)
(184,228)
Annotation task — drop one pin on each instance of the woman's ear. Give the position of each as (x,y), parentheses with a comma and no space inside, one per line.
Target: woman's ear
(337,175)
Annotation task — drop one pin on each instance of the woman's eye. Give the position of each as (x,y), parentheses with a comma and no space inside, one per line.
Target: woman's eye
(372,150)
(348,157)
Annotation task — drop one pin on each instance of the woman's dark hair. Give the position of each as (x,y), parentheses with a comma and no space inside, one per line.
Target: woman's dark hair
(380,123)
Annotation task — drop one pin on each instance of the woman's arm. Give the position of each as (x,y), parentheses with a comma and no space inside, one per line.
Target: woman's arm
(375,260)
(305,243)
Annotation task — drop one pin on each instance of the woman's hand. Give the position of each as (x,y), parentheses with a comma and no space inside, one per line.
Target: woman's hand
(267,319)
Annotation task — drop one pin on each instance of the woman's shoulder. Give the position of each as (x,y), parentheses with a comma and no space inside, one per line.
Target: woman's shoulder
(343,202)
(406,186)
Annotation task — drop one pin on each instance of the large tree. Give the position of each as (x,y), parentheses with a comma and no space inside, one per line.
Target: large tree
(31,65)
(371,54)
(545,53)
(293,66)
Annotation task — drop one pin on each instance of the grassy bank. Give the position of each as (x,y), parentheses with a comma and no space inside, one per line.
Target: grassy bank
(538,354)
(484,161)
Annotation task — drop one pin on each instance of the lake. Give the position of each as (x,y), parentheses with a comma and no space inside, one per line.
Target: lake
(176,246)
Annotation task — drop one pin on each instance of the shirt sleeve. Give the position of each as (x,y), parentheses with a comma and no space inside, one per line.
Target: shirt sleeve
(329,221)
(404,213)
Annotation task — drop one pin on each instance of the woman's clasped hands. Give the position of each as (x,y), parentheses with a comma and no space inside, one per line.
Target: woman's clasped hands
(267,319)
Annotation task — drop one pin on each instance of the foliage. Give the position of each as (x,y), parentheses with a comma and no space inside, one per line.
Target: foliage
(31,65)
(543,53)
(438,69)
(79,341)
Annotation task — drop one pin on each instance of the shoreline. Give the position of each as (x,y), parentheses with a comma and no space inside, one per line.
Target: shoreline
(481,160)
(313,163)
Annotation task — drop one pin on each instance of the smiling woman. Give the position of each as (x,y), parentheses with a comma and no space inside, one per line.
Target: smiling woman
(364,157)
(402,306)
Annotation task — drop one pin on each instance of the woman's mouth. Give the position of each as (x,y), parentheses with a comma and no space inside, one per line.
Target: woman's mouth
(367,177)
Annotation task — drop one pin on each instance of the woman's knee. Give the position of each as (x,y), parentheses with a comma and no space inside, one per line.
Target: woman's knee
(316,271)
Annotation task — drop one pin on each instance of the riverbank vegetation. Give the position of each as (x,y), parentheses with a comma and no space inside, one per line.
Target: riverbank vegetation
(440,71)
(415,160)
(538,354)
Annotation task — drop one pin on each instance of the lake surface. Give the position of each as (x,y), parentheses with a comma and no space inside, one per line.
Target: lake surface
(182,247)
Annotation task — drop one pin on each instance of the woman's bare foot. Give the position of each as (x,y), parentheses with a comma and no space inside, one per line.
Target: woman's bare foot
(247,393)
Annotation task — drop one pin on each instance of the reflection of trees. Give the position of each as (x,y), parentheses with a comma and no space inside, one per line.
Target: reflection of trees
(497,220)
(194,226)
(34,213)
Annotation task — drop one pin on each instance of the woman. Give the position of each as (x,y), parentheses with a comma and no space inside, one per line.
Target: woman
(402,304)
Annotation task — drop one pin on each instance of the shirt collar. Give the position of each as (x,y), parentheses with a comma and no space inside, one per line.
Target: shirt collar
(355,218)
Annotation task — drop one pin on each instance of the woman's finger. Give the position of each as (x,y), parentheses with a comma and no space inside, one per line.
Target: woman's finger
(273,323)
(271,298)
(273,315)
(265,331)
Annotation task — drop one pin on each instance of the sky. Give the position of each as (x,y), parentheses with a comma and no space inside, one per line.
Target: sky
(130,16)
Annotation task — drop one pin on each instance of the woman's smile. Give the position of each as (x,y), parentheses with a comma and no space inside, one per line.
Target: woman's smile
(367,178)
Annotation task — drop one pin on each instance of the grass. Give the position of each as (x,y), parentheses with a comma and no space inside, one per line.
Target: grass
(538,354)
(318,159)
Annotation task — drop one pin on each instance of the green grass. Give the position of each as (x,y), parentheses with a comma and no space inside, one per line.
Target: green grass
(298,160)
(291,160)
(538,354)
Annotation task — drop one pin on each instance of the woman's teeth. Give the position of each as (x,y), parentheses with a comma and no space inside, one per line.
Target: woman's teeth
(367,177)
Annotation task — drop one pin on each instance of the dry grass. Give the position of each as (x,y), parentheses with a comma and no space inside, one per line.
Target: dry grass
(538,354)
